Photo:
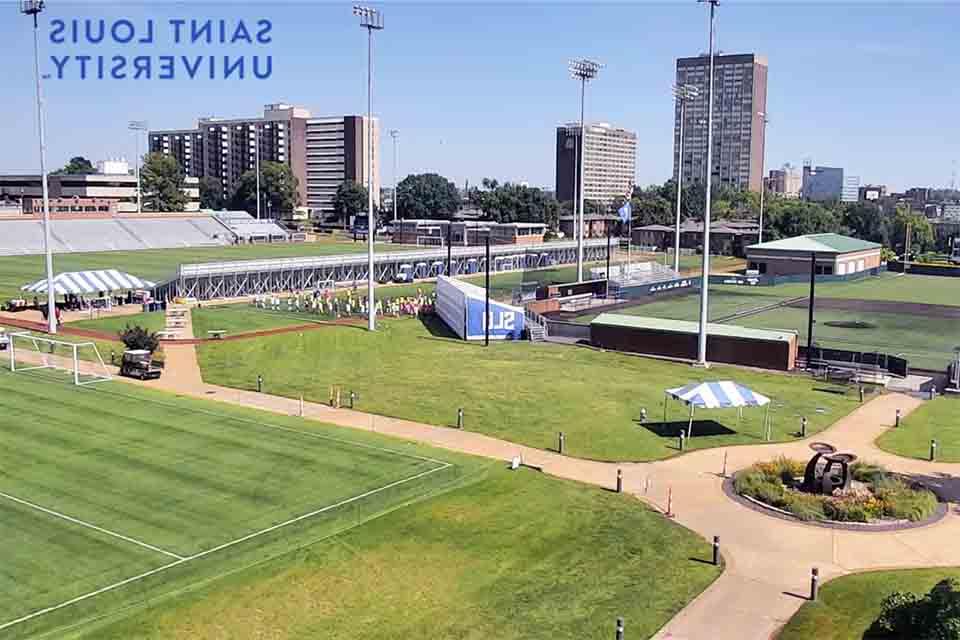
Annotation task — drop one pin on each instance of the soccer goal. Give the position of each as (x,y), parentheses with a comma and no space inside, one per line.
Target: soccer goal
(30,352)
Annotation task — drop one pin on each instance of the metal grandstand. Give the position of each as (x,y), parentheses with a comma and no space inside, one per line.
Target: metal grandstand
(255,277)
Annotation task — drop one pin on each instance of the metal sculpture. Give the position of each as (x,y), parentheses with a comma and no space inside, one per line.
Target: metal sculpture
(827,470)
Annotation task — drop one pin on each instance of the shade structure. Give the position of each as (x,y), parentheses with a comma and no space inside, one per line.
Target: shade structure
(86,282)
(718,395)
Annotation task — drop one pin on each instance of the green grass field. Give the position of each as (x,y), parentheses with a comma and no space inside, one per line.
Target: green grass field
(518,391)
(160,264)
(104,483)
(848,605)
(151,321)
(938,419)
(197,508)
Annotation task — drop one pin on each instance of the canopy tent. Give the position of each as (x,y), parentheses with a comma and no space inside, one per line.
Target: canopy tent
(81,282)
(717,395)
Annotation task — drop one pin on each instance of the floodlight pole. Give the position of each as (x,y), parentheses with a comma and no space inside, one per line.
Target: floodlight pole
(705,276)
(395,135)
(256,135)
(583,70)
(486,310)
(33,8)
(137,126)
(763,178)
(371,20)
(683,93)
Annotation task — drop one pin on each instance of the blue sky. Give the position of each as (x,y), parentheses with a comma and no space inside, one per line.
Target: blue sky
(476,89)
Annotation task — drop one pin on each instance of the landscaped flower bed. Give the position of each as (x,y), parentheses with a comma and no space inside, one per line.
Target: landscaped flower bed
(875,495)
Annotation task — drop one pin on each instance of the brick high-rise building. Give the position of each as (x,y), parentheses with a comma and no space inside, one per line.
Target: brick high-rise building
(610,159)
(740,86)
(322,153)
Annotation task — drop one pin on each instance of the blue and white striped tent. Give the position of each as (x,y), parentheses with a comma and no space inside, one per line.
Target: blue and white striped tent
(718,395)
(87,282)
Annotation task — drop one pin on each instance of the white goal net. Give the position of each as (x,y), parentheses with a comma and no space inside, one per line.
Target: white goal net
(82,360)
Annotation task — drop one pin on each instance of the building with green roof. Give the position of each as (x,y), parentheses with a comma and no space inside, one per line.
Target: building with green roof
(835,255)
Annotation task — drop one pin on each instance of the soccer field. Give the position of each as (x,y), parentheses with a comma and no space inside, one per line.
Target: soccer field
(110,494)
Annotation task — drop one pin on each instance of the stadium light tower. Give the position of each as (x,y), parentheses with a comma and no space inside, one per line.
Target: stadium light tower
(33,8)
(256,136)
(395,135)
(683,94)
(583,70)
(705,276)
(136,126)
(371,20)
(763,179)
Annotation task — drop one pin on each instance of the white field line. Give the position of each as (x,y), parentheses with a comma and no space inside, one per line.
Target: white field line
(89,525)
(147,574)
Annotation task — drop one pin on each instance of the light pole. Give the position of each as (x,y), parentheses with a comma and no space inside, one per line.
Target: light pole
(33,8)
(137,126)
(705,276)
(256,135)
(683,93)
(371,20)
(395,135)
(583,70)
(763,178)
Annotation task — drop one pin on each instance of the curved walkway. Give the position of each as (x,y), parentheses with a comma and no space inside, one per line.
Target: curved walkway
(768,560)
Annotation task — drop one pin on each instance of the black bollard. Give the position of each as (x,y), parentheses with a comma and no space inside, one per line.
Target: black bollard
(933,450)
(353,396)
(861,395)
(897,422)
(619,480)
(803,427)
(619,628)
(560,443)
(716,551)
(259,383)
(814,584)
(683,439)
(460,418)
(113,357)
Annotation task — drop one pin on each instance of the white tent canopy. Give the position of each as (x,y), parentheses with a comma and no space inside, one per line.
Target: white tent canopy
(724,394)
(87,282)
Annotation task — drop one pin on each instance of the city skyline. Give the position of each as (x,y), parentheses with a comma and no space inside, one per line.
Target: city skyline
(466,110)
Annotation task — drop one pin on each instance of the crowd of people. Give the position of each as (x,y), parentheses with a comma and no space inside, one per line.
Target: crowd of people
(328,303)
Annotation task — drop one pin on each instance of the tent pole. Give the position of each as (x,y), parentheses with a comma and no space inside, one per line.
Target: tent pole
(690,424)
(766,421)
(665,398)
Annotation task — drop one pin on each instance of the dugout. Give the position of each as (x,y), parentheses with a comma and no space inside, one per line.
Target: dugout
(462,306)
(763,348)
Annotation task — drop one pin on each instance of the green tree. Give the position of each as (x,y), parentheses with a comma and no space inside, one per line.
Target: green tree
(934,616)
(139,338)
(351,199)
(78,165)
(865,221)
(279,193)
(921,233)
(211,193)
(427,195)
(510,202)
(162,182)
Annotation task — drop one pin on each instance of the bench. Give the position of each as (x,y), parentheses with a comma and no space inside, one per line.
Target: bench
(167,334)
(216,334)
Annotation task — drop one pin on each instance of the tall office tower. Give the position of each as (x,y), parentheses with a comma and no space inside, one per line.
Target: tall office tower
(740,83)
(322,153)
(609,163)
(822,184)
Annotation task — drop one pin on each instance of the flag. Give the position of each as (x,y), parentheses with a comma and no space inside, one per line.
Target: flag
(626,212)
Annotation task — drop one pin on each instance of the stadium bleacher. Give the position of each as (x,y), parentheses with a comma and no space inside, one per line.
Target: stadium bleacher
(24,236)
(249,229)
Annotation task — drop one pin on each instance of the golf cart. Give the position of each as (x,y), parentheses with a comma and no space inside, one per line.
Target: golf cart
(4,340)
(138,363)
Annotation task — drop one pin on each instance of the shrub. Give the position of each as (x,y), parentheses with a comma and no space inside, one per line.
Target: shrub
(783,469)
(805,506)
(867,472)
(854,505)
(901,501)
(139,338)
(935,616)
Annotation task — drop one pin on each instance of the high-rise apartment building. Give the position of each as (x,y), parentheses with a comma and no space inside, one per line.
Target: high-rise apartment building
(322,153)
(786,182)
(609,162)
(740,88)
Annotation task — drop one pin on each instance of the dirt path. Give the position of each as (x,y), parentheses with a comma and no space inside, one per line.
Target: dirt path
(768,561)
